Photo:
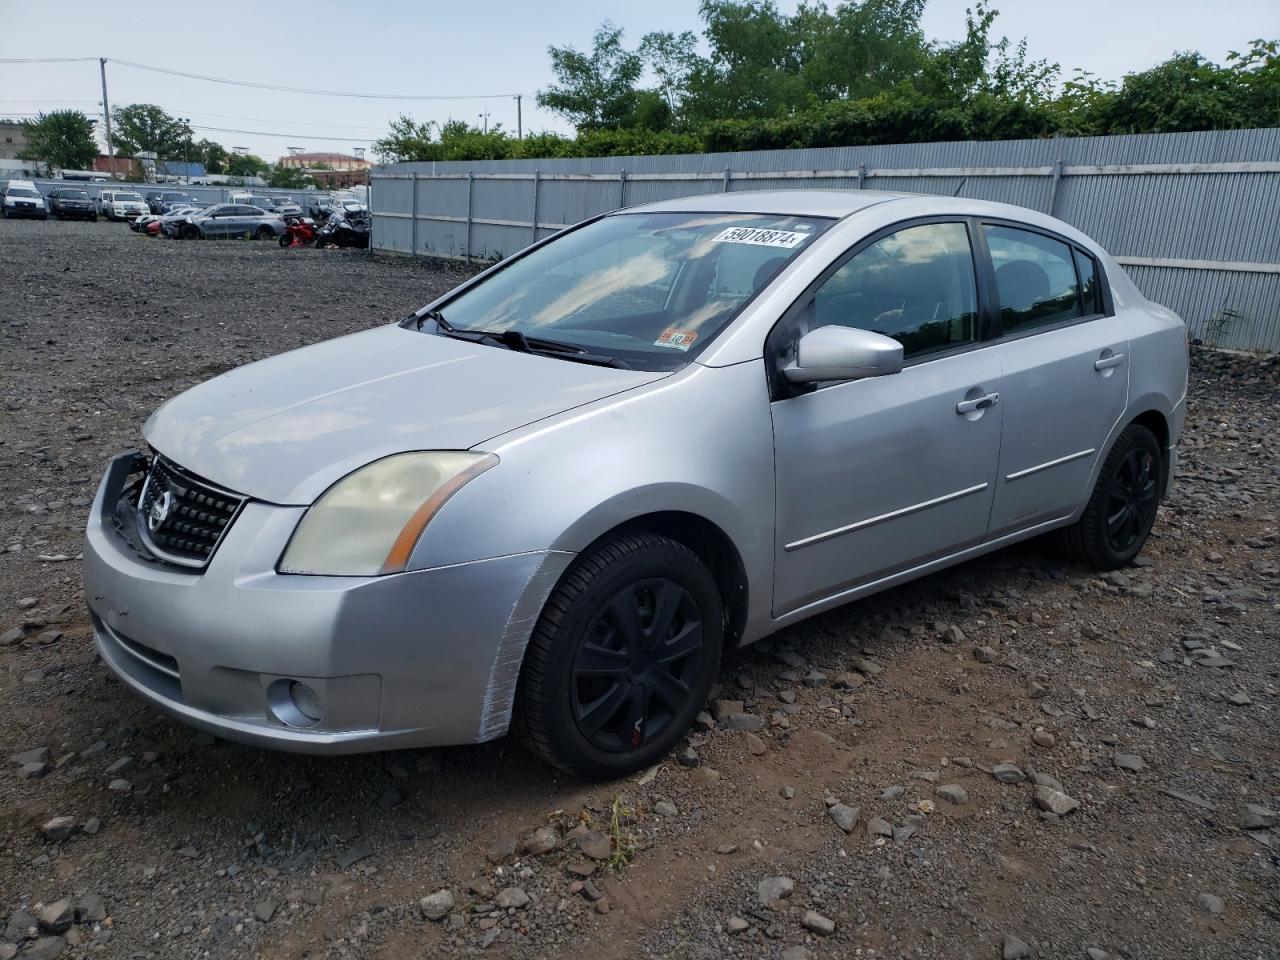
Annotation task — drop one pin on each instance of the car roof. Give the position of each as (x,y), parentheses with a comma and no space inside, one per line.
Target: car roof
(800,203)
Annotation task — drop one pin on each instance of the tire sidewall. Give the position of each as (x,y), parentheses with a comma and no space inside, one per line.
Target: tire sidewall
(571,747)
(1134,436)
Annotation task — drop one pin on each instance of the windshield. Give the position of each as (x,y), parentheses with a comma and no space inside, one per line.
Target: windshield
(173,196)
(128,198)
(649,289)
(22,192)
(73,195)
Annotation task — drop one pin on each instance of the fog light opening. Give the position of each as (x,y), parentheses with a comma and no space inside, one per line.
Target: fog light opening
(294,703)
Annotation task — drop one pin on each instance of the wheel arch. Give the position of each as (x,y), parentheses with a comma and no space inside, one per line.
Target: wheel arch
(712,545)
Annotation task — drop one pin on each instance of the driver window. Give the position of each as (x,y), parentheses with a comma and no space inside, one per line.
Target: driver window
(916,286)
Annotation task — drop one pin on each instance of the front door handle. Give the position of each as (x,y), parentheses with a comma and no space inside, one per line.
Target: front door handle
(977,403)
(1106,363)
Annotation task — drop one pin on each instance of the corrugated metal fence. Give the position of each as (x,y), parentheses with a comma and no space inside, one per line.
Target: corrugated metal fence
(1194,217)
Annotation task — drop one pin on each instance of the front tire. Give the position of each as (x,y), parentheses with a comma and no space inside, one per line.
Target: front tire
(1122,508)
(264,233)
(621,659)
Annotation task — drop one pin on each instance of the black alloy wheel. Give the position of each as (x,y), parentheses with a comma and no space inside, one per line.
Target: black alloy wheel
(635,669)
(1122,508)
(1131,499)
(622,657)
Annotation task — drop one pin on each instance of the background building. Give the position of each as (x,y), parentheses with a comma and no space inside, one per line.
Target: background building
(12,139)
(329,169)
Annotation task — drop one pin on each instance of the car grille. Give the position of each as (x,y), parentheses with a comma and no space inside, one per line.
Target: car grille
(182,518)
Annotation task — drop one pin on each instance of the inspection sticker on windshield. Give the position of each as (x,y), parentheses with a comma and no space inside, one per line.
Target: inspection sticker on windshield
(676,339)
(761,237)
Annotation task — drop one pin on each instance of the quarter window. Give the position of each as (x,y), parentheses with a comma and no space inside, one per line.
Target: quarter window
(916,286)
(1090,291)
(1035,279)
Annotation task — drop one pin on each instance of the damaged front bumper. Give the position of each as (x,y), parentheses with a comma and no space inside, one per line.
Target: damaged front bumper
(309,663)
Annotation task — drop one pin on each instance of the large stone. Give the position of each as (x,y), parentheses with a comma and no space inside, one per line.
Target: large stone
(1008,773)
(36,755)
(1129,761)
(57,917)
(1014,948)
(512,897)
(1055,801)
(726,708)
(954,793)
(743,721)
(1256,817)
(46,948)
(817,923)
(845,816)
(91,909)
(771,890)
(541,841)
(436,906)
(58,828)
(596,845)
(1212,903)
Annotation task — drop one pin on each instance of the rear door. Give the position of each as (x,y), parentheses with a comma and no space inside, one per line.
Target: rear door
(1066,373)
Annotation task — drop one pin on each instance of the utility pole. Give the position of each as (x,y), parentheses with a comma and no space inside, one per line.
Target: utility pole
(106,110)
(519,127)
(485,117)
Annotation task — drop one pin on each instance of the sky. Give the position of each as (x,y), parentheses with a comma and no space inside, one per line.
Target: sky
(478,55)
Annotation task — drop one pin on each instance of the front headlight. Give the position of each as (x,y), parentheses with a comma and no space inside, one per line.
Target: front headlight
(368,522)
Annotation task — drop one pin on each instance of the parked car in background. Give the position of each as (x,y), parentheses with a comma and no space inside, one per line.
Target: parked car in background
(319,208)
(551,498)
(225,220)
(163,202)
(71,203)
(20,198)
(143,223)
(121,204)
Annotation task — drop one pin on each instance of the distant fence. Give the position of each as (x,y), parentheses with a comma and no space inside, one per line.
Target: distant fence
(1193,217)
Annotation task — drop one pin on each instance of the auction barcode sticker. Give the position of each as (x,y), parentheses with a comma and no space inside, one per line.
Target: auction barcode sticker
(765,238)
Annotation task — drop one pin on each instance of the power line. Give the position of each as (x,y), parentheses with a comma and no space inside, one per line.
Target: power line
(47,59)
(321,93)
(286,136)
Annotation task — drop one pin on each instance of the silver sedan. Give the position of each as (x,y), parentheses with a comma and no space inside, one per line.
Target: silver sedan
(551,499)
(225,220)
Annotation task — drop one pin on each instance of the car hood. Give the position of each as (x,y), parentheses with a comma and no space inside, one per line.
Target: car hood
(284,429)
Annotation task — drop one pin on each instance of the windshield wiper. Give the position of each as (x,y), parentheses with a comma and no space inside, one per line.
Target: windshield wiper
(515,340)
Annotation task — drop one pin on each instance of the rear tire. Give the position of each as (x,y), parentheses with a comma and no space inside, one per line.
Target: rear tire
(264,233)
(622,658)
(189,232)
(1122,508)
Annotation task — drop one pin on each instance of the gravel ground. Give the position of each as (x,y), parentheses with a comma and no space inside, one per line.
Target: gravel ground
(874,786)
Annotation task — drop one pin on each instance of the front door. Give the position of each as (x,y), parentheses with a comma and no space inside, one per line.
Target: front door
(878,475)
(1066,375)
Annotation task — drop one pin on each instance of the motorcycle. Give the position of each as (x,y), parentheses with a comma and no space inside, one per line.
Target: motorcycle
(298,232)
(345,230)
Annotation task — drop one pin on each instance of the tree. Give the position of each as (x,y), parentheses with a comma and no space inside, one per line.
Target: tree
(673,58)
(406,140)
(291,178)
(596,91)
(144,127)
(62,139)
(212,155)
(247,165)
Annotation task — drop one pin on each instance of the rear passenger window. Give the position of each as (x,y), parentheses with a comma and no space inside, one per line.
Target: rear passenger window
(916,286)
(1035,278)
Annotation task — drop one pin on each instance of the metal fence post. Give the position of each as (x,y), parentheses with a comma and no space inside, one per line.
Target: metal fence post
(1053,188)
(537,182)
(725,189)
(622,189)
(413,224)
(862,175)
(471,179)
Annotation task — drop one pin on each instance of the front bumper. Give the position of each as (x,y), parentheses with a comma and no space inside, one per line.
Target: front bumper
(424,658)
(33,211)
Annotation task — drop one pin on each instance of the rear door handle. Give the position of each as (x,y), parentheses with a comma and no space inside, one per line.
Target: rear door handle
(1106,363)
(977,403)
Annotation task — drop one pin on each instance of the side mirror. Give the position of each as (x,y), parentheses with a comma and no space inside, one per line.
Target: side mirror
(843,353)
